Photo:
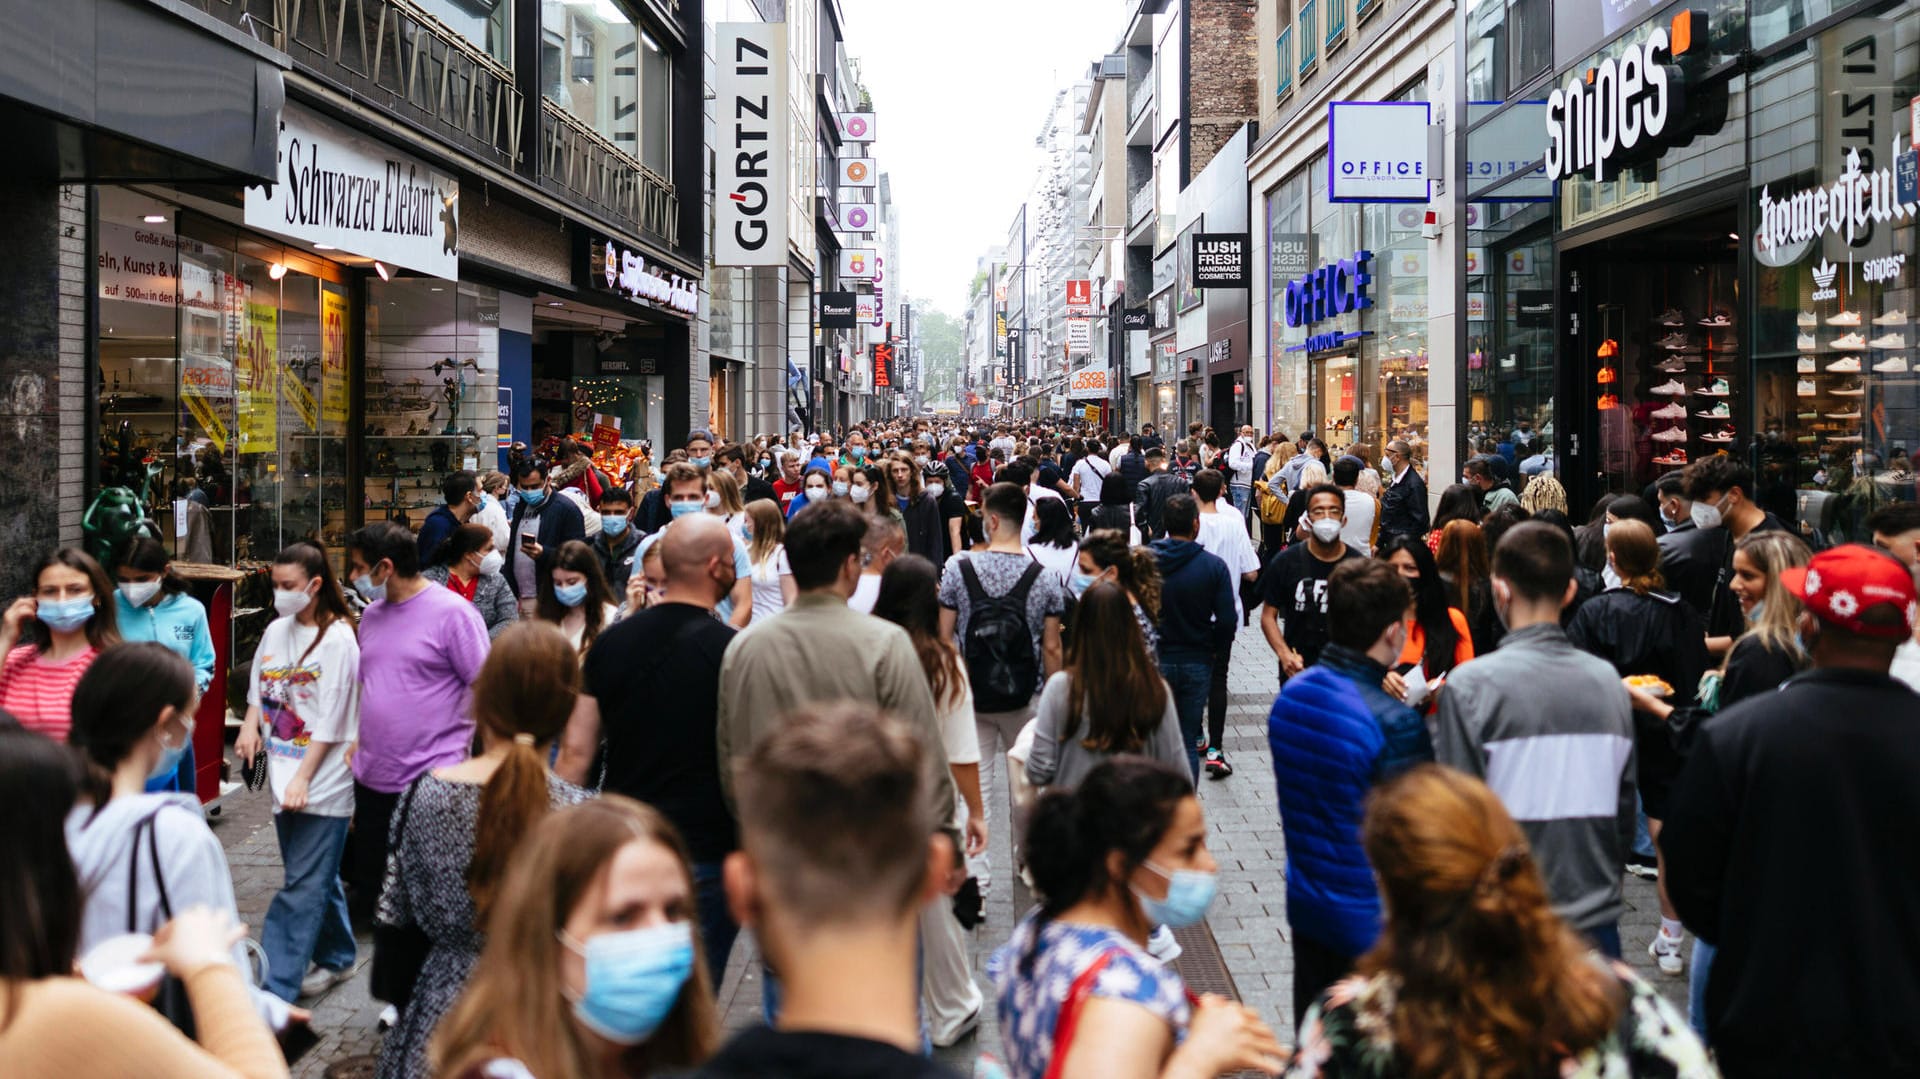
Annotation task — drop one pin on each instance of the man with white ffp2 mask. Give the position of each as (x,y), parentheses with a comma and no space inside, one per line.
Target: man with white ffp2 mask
(1293,590)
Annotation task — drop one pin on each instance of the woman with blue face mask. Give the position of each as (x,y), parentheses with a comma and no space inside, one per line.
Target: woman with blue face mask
(593,967)
(151,604)
(574,596)
(50,638)
(1110,859)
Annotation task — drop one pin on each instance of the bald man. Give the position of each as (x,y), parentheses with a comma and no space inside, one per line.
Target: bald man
(651,687)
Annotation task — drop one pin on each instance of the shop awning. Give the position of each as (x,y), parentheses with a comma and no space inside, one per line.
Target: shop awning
(117,90)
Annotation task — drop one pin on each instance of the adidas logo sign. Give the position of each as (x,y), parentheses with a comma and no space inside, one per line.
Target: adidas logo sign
(1823,275)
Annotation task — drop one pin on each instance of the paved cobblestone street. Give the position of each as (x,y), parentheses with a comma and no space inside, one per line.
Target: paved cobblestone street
(1248,920)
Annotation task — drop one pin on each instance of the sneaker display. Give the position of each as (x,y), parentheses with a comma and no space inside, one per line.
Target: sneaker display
(1670,388)
(1676,456)
(1672,365)
(1805,388)
(1673,342)
(1608,348)
(1845,439)
(1671,434)
(1723,435)
(1845,318)
(1850,415)
(1888,340)
(1674,411)
(1849,388)
(1848,366)
(1895,317)
(1848,342)
(1719,321)
(1717,412)
(1805,318)
(1665,951)
(1806,365)
(1717,388)
(1894,366)
(1607,401)
(1217,766)
(1805,343)
(1673,316)
(1606,375)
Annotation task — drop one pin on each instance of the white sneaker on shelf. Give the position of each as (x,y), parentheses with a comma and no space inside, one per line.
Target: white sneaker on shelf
(1806,318)
(1848,342)
(1805,388)
(1717,412)
(1673,387)
(1665,951)
(1806,343)
(1806,366)
(1895,317)
(1723,435)
(1674,411)
(1672,365)
(1845,318)
(1848,366)
(1716,388)
(1718,321)
(1671,434)
(1888,340)
(1851,415)
(1896,365)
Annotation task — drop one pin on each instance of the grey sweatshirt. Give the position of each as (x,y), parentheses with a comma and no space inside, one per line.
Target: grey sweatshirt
(194,865)
(1064,762)
(1550,729)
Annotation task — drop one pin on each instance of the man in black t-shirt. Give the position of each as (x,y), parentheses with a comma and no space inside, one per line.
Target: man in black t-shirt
(1293,588)
(1723,508)
(651,687)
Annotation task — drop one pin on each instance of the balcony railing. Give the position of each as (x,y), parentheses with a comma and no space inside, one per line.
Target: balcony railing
(1142,96)
(1309,42)
(1141,205)
(1285,78)
(1336,22)
(1364,8)
(395,55)
(578,162)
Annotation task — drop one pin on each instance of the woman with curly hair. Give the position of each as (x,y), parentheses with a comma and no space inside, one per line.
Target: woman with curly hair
(1105,556)
(1473,974)
(1543,493)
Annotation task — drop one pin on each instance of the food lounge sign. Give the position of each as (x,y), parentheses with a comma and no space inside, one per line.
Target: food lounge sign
(1621,110)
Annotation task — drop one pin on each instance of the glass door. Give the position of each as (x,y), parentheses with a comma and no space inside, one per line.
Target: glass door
(1336,401)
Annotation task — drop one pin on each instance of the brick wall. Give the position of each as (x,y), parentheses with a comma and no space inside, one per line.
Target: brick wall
(1223,83)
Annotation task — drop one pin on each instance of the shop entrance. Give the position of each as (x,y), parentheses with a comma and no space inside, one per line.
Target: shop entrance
(1656,347)
(1334,400)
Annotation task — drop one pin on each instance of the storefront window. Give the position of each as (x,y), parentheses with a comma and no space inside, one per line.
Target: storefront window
(488,24)
(656,106)
(588,66)
(433,371)
(1509,44)
(1290,253)
(1836,396)
(1510,326)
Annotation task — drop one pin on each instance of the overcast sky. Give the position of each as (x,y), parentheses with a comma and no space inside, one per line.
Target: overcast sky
(960,90)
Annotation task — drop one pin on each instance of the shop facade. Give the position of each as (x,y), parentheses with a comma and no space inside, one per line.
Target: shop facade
(1736,281)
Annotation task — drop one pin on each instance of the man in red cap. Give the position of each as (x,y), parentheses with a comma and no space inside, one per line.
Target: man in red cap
(1818,967)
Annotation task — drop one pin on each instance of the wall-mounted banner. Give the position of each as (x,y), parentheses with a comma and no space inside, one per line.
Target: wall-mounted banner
(1079,298)
(1079,336)
(750,155)
(1848,207)
(856,263)
(1087,384)
(857,218)
(1332,290)
(879,289)
(883,366)
(333,356)
(335,186)
(857,127)
(1220,259)
(1057,404)
(1619,111)
(1377,151)
(836,311)
(863,309)
(858,172)
(611,266)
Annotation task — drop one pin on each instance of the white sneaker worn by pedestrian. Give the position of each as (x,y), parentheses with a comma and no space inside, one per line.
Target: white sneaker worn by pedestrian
(319,979)
(1665,951)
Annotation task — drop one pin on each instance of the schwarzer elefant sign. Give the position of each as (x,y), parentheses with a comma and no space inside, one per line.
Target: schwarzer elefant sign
(336,187)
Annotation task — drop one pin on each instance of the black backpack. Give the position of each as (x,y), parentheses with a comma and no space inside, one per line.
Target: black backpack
(999,647)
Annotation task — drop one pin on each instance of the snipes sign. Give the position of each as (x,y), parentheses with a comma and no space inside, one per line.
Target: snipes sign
(750,155)
(1621,110)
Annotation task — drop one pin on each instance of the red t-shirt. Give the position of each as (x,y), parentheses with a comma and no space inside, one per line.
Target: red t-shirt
(40,694)
(786,490)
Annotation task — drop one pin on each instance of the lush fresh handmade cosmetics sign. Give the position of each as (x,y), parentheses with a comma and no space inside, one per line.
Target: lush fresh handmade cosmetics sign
(1377,151)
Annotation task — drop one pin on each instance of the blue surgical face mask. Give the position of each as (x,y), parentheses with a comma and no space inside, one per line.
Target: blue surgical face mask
(170,756)
(1759,608)
(64,615)
(534,498)
(681,509)
(634,979)
(571,595)
(1189,894)
(700,462)
(372,593)
(857,453)
(1079,583)
(613,524)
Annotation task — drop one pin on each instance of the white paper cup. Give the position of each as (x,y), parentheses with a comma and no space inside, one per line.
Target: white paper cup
(115,965)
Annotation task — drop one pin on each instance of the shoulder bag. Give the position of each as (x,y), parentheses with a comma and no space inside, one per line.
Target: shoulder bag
(399,951)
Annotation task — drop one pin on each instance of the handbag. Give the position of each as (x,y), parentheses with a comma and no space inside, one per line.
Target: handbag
(170,999)
(399,951)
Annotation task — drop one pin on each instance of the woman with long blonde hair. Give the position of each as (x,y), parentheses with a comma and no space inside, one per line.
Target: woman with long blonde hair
(1473,974)
(773,586)
(606,879)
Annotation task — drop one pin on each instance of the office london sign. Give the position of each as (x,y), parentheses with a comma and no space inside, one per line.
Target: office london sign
(1620,110)
(750,155)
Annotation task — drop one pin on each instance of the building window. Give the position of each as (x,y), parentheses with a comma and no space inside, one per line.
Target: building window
(589,66)
(1336,22)
(1509,44)
(656,106)
(1309,49)
(1285,46)
(488,24)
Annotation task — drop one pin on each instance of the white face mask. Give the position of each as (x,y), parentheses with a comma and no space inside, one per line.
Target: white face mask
(1705,515)
(936,489)
(491,563)
(139,593)
(713,500)
(860,494)
(1326,529)
(288,602)
(816,493)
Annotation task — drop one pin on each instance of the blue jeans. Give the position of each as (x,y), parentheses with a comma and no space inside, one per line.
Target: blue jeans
(1242,498)
(717,929)
(1703,954)
(307,921)
(1642,836)
(1190,680)
(1606,938)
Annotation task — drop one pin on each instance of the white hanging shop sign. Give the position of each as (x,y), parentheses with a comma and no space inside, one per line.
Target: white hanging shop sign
(337,188)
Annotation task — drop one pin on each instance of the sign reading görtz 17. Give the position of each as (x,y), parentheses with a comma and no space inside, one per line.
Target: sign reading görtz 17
(1377,151)
(750,150)
(333,186)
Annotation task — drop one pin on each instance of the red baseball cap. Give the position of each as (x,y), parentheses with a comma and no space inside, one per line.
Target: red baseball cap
(1841,584)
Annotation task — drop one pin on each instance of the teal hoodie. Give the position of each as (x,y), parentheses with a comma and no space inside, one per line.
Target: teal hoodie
(177,621)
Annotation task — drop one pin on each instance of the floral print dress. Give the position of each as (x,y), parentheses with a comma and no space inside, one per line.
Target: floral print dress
(1349,1033)
(1030,998)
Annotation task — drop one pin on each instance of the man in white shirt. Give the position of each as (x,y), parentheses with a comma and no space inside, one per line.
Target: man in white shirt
(1002,441)
(1223,534)
(1119,450)
(1362,511)
(1239,462)
(885,541)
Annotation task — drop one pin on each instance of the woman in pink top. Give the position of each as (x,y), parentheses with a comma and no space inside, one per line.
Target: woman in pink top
(66,622)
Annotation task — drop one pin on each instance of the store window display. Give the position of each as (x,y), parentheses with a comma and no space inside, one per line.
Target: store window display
(1510,320)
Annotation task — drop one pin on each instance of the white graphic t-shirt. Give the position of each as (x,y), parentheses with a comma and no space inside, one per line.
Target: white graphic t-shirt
(308,696)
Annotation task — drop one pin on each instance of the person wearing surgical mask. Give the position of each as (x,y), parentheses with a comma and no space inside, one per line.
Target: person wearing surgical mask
(617,985)
(69,618)
(301,708)
(1115,856)
(469,564)
(618,540)
(574,596)
(1293,588)
(1720,489)
(153,605)
(816,489)
(132,716)
(542,521)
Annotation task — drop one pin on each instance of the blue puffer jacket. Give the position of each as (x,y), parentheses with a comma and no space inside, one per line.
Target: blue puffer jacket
(1334,733)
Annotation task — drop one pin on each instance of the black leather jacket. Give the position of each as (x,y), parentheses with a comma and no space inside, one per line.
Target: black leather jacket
(1150,502)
